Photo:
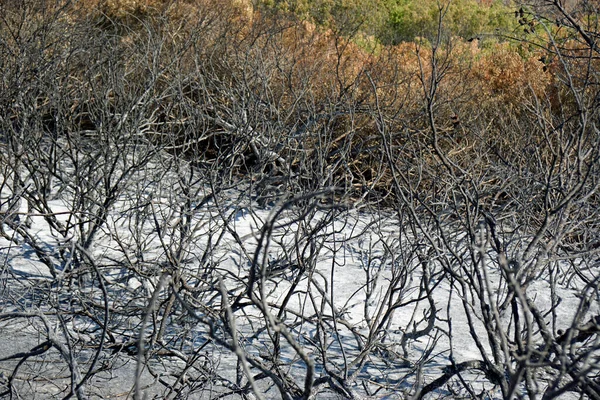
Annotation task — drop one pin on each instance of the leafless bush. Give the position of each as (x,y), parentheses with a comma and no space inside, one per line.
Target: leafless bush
(506,226)
(197,208)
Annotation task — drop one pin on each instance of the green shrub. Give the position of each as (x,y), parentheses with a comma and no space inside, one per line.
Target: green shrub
(408,19)
(395,21)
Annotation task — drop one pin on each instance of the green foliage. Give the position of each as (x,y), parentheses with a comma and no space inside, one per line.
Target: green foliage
(409,19)
(343,16)
(394,21)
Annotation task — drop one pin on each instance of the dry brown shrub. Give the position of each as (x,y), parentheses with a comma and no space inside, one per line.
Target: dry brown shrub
(397,73)
(329,62)
(178,12)
(506,76)
(298,69)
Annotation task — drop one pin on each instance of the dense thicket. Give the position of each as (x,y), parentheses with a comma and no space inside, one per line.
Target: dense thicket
(136,135)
